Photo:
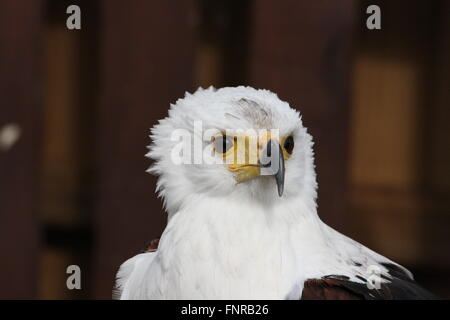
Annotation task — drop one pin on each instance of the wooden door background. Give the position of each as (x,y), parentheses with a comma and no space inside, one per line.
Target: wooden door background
(76,107)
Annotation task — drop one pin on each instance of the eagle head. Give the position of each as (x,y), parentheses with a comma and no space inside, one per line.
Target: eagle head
(232,142)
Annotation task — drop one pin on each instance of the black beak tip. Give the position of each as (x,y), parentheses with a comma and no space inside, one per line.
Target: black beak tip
(280,190)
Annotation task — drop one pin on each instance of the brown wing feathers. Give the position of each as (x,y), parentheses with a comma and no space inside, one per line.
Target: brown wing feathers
(399,287)
(327,289)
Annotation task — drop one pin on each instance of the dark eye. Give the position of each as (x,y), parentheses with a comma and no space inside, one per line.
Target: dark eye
(289,144)
(222,144)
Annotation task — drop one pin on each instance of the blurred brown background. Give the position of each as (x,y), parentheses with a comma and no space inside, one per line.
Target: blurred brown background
(76,108)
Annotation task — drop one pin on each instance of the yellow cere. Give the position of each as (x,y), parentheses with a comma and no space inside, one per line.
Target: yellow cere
(242,156)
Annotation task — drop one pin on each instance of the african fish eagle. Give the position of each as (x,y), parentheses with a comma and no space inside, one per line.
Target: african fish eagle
(248,229)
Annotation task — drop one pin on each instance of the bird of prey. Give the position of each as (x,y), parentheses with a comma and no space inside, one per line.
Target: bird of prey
(242,220)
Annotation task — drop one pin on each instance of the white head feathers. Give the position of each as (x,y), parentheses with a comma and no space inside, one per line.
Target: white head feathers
(230,234)
(229,109)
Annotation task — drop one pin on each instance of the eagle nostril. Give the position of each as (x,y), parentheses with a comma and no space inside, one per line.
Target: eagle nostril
(268,155)
(267,165)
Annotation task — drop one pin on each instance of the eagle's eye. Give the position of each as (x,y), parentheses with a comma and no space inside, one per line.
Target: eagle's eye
(222,144)
(289,144)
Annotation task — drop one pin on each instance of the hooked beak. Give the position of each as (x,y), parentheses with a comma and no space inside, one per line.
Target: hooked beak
(273,164)
(270,163)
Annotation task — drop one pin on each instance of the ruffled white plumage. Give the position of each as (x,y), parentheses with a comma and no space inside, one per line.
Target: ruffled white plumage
(228,241)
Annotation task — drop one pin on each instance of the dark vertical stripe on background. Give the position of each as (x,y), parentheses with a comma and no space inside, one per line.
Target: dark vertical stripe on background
(21,109)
